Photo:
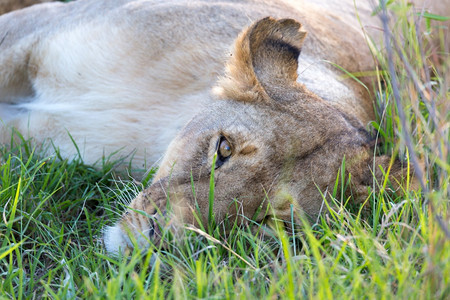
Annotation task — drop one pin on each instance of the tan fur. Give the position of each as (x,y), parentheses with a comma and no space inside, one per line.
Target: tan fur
(127,75)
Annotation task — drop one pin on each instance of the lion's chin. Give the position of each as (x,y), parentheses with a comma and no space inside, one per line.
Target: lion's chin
(117,241)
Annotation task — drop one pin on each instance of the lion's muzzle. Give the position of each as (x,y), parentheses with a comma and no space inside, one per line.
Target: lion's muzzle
(141,225)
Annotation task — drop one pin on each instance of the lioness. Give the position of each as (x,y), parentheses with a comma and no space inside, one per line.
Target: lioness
(125,77)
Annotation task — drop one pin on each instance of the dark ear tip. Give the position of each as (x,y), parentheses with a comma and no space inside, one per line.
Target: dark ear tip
(288,30)
(290,24)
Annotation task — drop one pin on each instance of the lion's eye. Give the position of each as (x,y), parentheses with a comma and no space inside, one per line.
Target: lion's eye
(224,148)
(224,151)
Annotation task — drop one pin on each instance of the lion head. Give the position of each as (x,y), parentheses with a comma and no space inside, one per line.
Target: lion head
(271,145)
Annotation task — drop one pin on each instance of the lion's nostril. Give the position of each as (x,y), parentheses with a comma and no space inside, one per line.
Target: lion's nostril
(151,232)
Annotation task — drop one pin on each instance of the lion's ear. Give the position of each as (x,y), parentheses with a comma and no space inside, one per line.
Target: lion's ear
(265,55)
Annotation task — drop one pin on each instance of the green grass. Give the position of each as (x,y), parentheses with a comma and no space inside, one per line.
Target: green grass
(52,212)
